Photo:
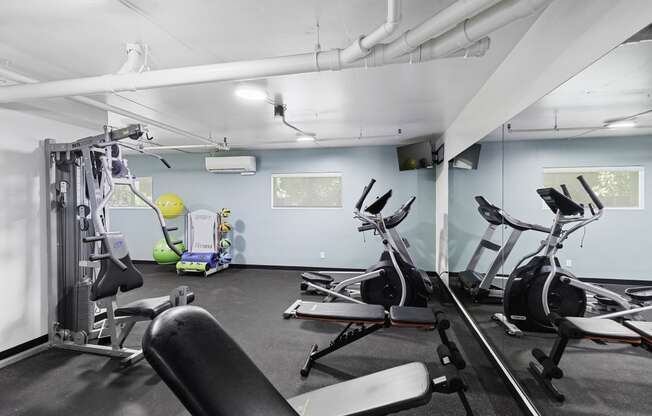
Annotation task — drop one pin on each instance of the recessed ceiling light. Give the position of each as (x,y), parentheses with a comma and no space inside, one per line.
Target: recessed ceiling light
(250,92)
(622,124)
(306,138)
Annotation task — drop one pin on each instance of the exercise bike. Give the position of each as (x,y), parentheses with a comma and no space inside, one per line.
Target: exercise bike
(541,287)
(489,286)
(394,279)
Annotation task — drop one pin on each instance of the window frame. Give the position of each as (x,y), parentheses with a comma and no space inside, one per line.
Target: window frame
(306,174)
(579,170)
(117,183)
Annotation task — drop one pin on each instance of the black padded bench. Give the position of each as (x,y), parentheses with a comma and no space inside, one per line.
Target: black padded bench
(212,375)
(367,320)
(602,331)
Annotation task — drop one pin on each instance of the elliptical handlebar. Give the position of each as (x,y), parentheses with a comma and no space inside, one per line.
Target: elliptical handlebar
(590,192)
(365,193)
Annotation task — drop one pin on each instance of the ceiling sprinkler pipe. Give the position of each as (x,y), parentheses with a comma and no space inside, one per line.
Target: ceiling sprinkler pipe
(360,47)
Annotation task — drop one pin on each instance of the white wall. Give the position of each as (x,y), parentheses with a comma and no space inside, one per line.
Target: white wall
(23,309)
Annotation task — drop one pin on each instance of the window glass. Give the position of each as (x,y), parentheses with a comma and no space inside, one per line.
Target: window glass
(307,190)
(617,187)
(123,197)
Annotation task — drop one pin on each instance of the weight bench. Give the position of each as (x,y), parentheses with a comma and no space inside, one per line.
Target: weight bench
(602,331)
(369,319)
(211,375)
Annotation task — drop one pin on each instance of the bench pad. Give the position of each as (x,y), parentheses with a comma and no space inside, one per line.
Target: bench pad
(380,393)
(602,328)
(412,316)
(147,308)
(341,312)
(641,327)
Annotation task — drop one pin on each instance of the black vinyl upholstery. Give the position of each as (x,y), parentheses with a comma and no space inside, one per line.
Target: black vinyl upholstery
(344,312)
(206,369)
(412,315)
(147,308)
(111,278)
(578,327)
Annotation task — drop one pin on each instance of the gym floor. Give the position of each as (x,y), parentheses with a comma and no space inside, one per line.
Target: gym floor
(249,303)
(610,379)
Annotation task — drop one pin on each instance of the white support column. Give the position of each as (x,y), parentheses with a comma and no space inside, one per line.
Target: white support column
(441,216)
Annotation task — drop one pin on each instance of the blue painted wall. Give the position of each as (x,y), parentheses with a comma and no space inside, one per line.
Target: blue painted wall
(290,237)
(618,246)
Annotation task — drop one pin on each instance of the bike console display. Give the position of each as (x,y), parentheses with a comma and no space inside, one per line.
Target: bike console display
(378,205)
(557,201)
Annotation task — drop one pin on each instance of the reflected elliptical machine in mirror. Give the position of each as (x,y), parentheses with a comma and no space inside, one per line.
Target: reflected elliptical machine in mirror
(535,290)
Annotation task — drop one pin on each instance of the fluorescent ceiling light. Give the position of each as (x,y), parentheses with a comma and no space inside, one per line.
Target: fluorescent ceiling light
(306,138)
(621,124)
(250,92)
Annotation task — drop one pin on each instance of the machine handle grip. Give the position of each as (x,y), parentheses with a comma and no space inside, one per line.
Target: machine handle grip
(365,192)
(589,191)
(366,227)
(172,228)
(103,256)
(564,189)
(591,209)
(171,244)
(93,239)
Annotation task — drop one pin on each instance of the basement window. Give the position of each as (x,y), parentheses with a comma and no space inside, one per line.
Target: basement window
(123,197)
(306,190)
(617,187)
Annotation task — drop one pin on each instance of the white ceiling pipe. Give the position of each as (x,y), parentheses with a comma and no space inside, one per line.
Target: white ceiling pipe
(229,71)
(14,76)
(495,17)
(378,55)
(436,25)
(360,47)
(232,71)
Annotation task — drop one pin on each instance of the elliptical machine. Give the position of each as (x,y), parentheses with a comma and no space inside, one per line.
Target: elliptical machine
(542,286)
(394,279)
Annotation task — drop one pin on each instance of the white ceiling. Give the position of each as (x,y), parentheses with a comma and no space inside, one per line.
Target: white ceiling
(618,85)
(63,39)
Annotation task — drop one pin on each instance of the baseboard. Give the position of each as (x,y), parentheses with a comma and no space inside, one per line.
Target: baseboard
(24,350)
(284,267)
(597,280)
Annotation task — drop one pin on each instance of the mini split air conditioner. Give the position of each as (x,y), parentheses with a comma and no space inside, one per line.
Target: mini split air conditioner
(244,165)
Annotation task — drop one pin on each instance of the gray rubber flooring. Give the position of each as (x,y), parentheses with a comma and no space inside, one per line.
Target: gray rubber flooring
(613,379)
(249,304)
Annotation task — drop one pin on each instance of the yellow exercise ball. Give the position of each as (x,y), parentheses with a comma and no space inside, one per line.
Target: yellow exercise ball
(170,204)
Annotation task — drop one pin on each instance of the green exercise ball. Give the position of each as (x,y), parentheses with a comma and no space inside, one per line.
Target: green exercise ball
(164,255)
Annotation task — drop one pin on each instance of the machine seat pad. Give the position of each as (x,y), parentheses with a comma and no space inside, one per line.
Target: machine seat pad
(341,312)
(147,308)
(412,316)
(381,393)
(643,328)
(601,328)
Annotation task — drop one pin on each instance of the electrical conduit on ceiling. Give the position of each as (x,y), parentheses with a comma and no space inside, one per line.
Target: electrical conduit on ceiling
(439,46)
